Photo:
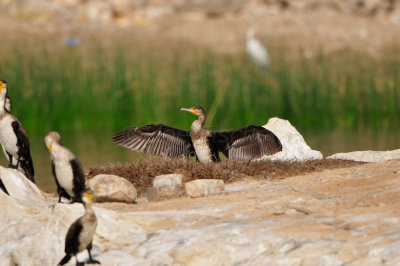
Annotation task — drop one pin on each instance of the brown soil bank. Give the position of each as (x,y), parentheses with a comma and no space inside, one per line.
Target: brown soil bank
(141,174)
(314,26)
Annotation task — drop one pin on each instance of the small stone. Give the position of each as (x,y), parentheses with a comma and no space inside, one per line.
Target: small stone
(165,192)
(109,188)
(167,180)
(204,187)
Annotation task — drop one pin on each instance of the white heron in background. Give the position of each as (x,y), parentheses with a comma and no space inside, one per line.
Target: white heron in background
(255,50)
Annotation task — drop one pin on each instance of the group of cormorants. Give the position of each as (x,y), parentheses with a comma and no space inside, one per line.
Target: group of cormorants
(67,171)
(246,143)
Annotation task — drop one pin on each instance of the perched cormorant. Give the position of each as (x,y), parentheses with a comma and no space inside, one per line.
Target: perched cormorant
(8,106)
(13,138)
(80,233)
(241,144)
(66,168)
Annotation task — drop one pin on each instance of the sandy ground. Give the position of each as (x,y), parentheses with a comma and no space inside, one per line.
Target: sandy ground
(356,206)
(310,31)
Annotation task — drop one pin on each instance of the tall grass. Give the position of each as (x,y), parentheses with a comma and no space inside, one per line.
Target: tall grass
(99,87)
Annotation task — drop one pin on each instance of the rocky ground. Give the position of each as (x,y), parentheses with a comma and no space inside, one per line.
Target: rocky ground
(343,216)
(332,217)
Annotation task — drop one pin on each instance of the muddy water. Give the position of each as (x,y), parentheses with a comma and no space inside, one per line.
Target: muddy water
(96,150)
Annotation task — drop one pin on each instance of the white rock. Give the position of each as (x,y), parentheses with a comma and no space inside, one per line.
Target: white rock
(18,186)
(112,188)
(368,156)
(34,233)
(167,180)
(204,187)
(294,146)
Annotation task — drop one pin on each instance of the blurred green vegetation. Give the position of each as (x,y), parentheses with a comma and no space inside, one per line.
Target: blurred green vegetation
(107,87)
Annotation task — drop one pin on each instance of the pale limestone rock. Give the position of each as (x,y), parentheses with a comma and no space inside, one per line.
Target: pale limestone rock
(368,156)
(167,180)
(112,188)
(165,192)
(234,229)
(18,186)
(33,233)
(294,146)
(204,187)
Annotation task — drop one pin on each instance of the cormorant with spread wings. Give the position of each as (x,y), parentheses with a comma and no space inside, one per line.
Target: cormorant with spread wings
(246,143)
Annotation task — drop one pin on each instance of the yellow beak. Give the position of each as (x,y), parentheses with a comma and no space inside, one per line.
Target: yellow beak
(190,110)
(89,195)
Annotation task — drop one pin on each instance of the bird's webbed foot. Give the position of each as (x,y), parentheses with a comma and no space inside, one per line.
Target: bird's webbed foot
(13,166)
(76,199)
(92,261)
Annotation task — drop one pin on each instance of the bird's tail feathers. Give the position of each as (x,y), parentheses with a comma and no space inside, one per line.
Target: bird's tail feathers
(27,166)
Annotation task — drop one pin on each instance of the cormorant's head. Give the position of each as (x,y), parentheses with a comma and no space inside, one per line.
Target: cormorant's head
(50,139)
(197,110)
(3,87)
(87,196)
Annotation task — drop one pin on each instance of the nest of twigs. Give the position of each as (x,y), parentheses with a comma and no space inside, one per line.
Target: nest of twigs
(142,173)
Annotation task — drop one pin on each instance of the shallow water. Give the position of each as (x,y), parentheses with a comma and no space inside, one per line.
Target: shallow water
(96,150)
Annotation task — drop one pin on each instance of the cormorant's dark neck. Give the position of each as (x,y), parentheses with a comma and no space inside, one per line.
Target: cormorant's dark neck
(201,119)
(197,125)
(88,208)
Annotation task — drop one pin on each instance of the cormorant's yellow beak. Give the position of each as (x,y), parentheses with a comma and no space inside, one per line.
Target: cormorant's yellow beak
(1,86)
(190,110)
(89,195)
(49,147)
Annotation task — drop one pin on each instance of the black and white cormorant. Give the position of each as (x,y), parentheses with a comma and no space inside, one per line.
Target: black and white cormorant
(80,234)
(66,168)
(8,106)
(246,143)
(13,138)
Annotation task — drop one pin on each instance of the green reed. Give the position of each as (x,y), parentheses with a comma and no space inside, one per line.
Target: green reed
(106,87)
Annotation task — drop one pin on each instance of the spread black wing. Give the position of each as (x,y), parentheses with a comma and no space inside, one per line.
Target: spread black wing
(156,139)
(24,150)
(246,143)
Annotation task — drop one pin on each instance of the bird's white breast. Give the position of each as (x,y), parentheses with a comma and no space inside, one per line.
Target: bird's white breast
(65,176)
(8,138)
(63,168)
(202,150)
